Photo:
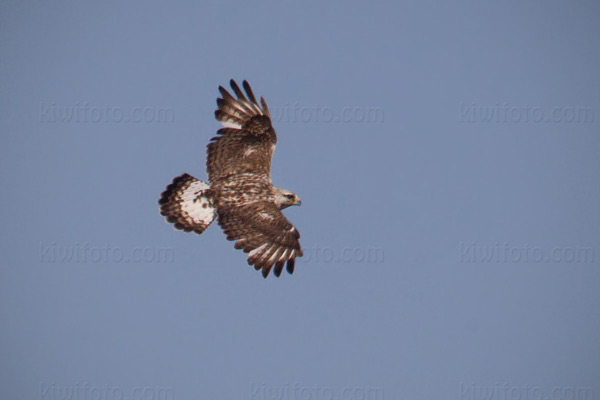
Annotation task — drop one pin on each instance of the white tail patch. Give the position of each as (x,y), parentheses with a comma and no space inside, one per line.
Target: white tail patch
(187,205)
(196,205)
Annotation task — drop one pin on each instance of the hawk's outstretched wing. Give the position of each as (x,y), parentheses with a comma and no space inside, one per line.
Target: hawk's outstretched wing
(247,142)
(262,230)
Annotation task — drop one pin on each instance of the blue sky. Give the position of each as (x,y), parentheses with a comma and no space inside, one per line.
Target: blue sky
(446,154)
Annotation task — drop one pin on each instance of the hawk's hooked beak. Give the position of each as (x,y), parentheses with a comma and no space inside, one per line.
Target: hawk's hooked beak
(297,201)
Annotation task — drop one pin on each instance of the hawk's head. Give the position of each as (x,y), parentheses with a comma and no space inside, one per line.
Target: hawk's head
(285,198)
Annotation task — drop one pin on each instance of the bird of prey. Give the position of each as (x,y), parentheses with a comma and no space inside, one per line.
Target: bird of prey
(239,192)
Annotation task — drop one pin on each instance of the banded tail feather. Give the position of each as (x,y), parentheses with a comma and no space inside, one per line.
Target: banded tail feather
(187,204)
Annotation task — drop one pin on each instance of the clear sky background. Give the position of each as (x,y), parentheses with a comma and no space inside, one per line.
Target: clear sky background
(447,155)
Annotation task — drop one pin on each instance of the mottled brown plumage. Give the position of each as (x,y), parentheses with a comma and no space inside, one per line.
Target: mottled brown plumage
(247,205)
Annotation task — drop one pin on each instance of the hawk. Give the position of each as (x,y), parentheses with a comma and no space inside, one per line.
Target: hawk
(239,192)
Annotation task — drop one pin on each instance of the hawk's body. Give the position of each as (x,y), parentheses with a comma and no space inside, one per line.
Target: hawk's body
(241,194)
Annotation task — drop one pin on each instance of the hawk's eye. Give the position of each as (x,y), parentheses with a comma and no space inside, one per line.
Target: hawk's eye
(289,196)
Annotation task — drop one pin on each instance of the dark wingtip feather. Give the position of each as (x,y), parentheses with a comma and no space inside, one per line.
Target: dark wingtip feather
(278,268)
(265,107)
(224,92)
(290,265)
(238,111)
(249,92)
(237,90)
(266,270)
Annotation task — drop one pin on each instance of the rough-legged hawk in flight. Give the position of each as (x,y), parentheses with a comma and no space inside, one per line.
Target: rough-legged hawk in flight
(240,195)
